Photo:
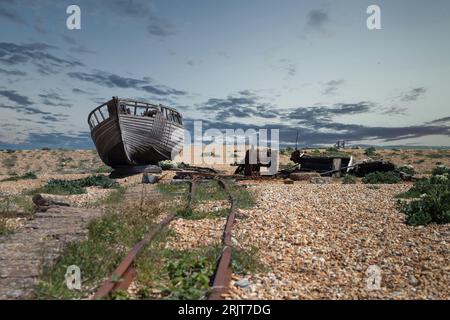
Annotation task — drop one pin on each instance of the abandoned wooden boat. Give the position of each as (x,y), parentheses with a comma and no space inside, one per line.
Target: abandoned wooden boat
(131,133)
(319,164)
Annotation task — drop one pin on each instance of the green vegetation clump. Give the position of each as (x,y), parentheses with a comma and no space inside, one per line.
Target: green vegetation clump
(349,179)
(440,170)
(406,169)
(187,274)
(110,237)
(246,261)
(209,191)
(11,205)
(103,169)
(190,274)
(212,191)
(96,261)
(190,214)
(172,190)
(4,228)
(114,197)
(430,199)
(244,199)
(168,164)
(332,149)
(440,155)
(370,152)
(66,187)
(10,162)
(26,176)
(382,178)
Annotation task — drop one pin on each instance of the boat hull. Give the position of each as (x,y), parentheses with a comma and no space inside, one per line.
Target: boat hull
(125,139)
(149,139)
(109,145)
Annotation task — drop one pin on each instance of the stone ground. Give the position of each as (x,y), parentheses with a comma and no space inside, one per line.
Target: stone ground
(320,241)
(316,241)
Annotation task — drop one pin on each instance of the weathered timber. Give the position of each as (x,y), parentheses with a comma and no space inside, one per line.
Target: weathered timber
(24,254)
(337,162)
(45,201)
(321,164)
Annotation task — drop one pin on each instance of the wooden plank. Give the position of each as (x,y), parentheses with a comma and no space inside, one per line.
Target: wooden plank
(337,162)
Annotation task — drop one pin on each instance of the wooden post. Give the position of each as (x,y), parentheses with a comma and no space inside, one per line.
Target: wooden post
(337,166)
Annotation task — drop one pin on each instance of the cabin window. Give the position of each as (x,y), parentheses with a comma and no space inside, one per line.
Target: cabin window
(149,113)
(176,117)
(104,115)
(123,109)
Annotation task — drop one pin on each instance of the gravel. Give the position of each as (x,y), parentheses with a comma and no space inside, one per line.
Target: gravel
(191,234)
(212,206)
(318,241)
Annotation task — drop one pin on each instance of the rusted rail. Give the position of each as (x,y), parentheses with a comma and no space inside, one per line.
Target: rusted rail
(126,272)
(222,277)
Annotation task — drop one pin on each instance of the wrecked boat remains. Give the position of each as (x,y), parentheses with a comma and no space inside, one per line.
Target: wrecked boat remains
(130,133)
(335,165)
(321,164)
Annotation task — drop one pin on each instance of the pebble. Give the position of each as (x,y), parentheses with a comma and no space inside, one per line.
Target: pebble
(243,283)
(317,241)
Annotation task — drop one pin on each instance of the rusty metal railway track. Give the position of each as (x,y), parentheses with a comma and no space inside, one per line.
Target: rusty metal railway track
(223,273)
(124,274)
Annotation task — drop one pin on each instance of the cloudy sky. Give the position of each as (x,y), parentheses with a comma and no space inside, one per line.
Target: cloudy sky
(308,66)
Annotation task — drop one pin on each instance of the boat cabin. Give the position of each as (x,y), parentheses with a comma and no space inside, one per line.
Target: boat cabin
(118,106)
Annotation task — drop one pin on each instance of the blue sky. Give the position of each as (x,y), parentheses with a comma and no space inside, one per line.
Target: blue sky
(307,66)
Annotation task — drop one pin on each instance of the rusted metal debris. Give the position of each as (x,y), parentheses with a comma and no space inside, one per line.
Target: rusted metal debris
(125,272)
(188,172)
(223,274)
(199,169)
(43,203)
(192,188)
(187,175)
(320,164)
(149,178)
(363,168)
(126,171)
(250,169)
(334,165)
